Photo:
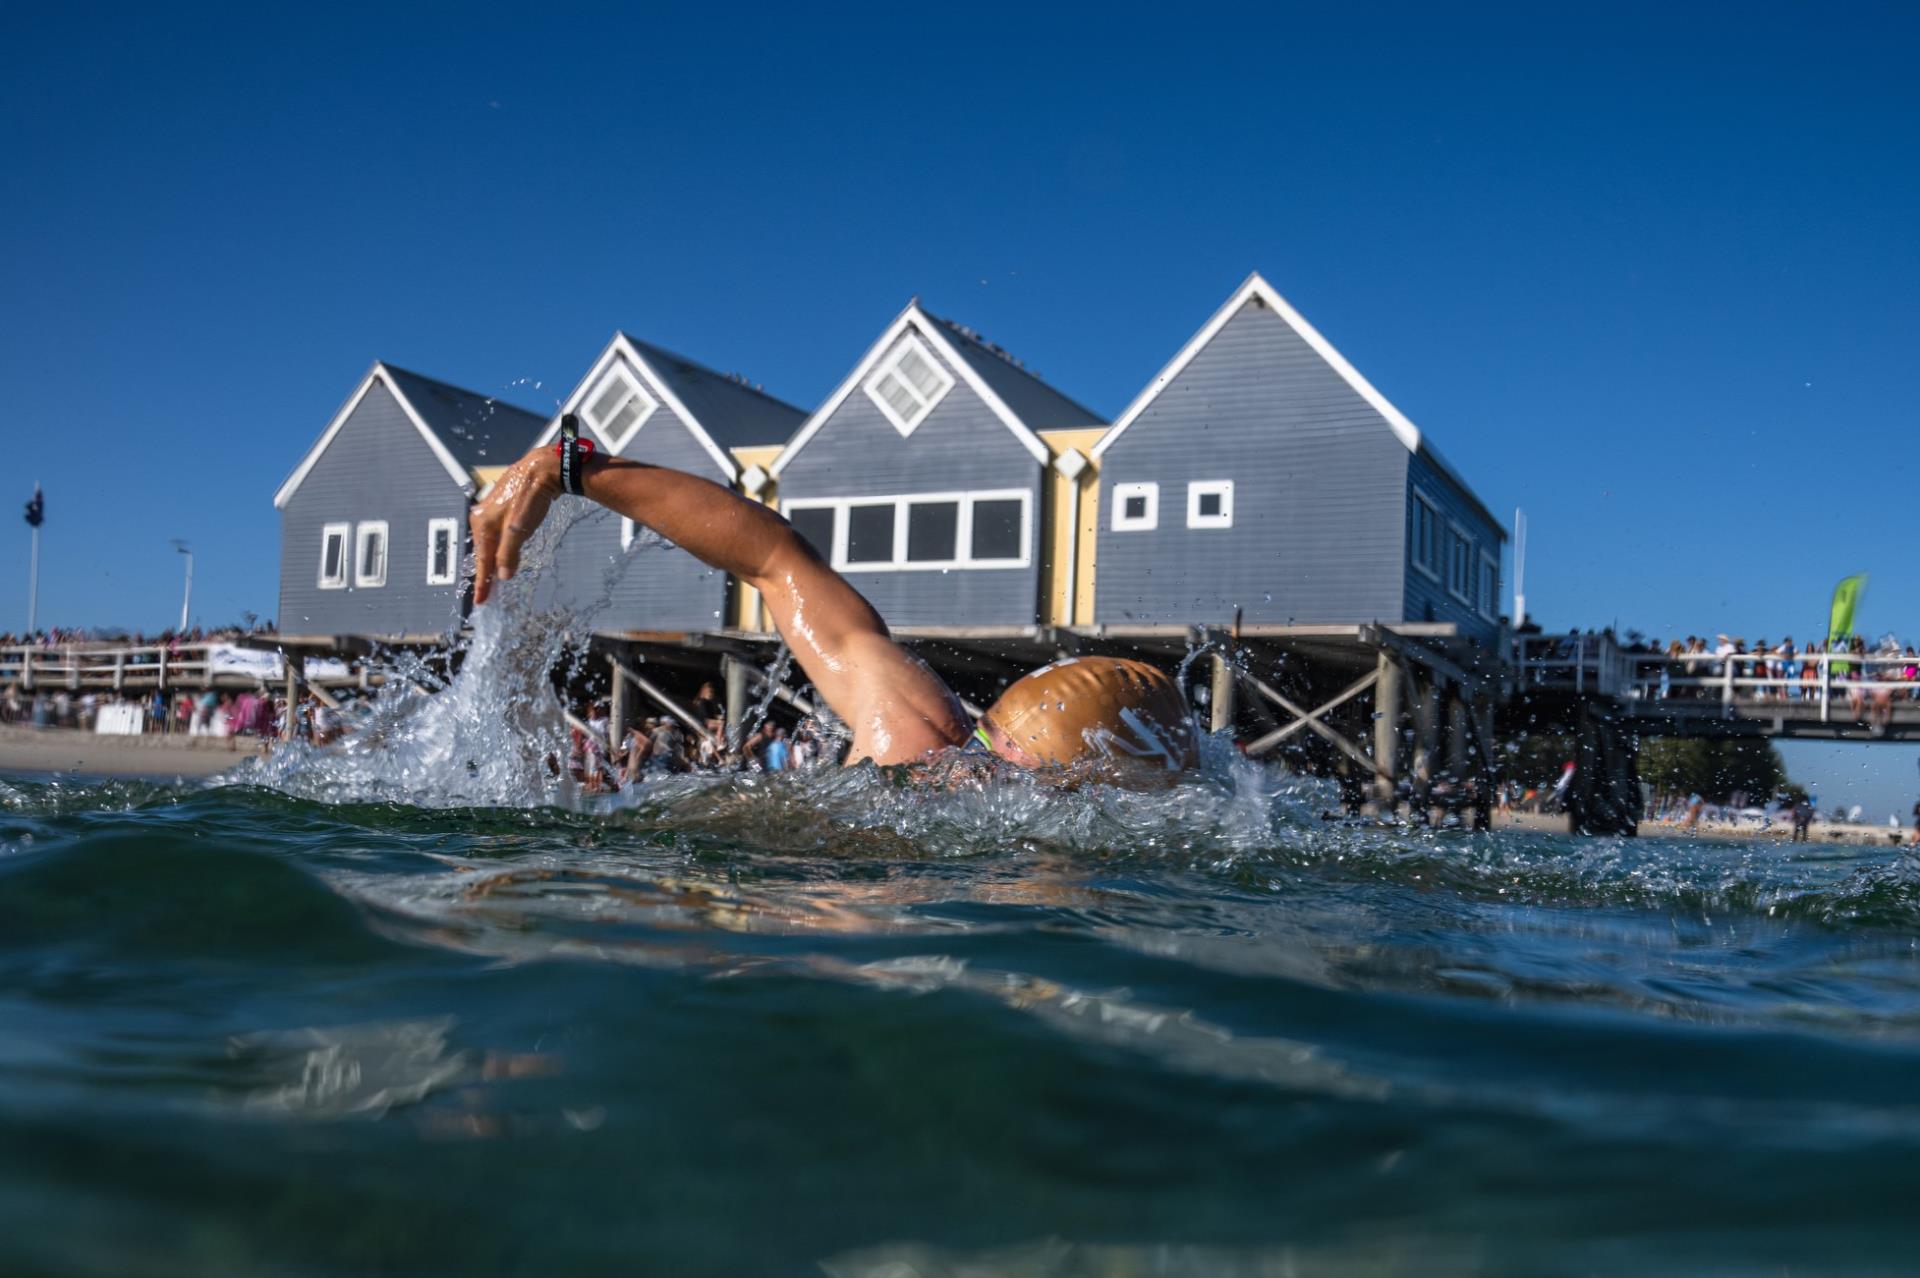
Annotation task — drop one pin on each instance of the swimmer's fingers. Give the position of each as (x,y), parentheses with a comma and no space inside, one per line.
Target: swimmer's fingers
(502,523)
(523,519)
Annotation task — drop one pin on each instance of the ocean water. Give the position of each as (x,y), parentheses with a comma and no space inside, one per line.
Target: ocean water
(413,1007)
(837,1024)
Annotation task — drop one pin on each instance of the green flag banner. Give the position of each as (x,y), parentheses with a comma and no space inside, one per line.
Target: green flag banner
(1846,597)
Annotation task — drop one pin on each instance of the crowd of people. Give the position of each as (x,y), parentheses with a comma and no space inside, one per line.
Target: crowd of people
(74,636)
(190,712)
(1864,673)
(664,745)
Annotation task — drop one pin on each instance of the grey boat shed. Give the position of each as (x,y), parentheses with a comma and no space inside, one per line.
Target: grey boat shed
(373,519)
(1260,478)
(646,403)
(921,478)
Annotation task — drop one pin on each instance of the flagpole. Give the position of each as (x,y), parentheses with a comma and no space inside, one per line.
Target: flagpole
(33,581)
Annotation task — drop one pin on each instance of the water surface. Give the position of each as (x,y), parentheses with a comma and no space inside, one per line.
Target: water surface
(841,1024)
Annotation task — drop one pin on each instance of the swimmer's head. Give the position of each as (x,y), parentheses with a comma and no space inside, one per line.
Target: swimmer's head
(1094,718)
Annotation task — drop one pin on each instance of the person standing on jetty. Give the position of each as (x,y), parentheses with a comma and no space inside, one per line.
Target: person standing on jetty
(1100,718)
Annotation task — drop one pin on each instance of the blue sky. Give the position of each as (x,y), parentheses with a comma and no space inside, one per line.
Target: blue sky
(1647,271)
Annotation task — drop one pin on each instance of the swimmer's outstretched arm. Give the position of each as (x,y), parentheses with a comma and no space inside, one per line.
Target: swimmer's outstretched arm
(898,709)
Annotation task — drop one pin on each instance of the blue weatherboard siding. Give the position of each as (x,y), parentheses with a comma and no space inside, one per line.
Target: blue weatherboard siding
(377,467)
(663,588)
(1319,492)
(961,446)
(1428,599)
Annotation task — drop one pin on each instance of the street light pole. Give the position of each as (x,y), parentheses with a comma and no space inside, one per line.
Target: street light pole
(186,600)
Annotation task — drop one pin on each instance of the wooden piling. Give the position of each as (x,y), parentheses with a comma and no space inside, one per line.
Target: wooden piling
(1220,703)
(1386,733)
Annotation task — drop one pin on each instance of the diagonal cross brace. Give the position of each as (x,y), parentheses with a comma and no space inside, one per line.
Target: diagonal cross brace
(1310,720)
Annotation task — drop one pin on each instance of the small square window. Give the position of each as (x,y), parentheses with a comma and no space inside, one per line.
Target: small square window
(997,529)
(618,407)
(333,556)
(1136,507)
(1210,504)
(908,385)
(870,533)
(815,526)
(370,554)
(933,531)
(443,551)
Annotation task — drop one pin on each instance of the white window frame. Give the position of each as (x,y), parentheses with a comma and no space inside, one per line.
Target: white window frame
(344,531)
(1460,553)
(452,528)
(1117,517)
(1202,487)
(649,406)
(889,368)
(1489,591)
(962,537)
(1422,501)
(361,532)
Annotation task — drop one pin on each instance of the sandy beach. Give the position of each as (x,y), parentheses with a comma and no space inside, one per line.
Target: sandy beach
(67,750)
(1779,832)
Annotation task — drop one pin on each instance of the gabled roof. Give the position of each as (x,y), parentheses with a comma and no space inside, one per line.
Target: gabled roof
(734,414)
(1034,402)
(463,428)
(477,429)
(1008,390)
(1256,287)
(721,412)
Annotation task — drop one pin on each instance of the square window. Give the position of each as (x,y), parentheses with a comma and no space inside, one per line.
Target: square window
(908,385)
(1136,507)
(333,556)
(443,551)
(933,531)
(815,526)
(997,531)
(870,534)
(1210,504)
(617,408)
(370,554)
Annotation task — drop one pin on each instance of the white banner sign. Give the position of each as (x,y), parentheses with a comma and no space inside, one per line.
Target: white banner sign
(224,658)
(120,719)
(326,668)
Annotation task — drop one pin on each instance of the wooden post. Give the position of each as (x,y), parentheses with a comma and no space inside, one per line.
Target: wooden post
(119,670)
(1426,744)
(1386,733)
(292,714)
(26,667)
(1220,699)
(735,672)
(616,709)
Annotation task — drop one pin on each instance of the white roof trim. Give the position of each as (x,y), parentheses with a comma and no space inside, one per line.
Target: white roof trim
(621,348)
(1408,433)
(929,331)
(378,373)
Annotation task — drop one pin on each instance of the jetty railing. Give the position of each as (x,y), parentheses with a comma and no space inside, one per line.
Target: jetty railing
(104,667)
(1811,684)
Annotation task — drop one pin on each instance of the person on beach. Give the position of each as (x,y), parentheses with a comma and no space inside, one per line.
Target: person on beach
(1088,718)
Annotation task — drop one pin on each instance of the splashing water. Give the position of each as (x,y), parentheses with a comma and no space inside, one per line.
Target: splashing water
(494,735)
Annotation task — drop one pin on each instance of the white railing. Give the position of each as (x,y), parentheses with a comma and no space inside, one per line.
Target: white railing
(98,666)
(1822,682)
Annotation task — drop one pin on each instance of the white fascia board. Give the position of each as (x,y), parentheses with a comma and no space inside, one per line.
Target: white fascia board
(1255,286)
(620,348)
(929,330)
(378,374)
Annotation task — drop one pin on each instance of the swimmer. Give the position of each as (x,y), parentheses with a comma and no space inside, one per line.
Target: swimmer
(1082,718)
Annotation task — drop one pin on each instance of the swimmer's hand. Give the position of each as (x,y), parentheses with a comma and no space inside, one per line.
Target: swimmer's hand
(511,513)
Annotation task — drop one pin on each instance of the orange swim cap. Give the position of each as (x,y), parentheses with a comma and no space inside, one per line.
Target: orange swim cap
(1108,717)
